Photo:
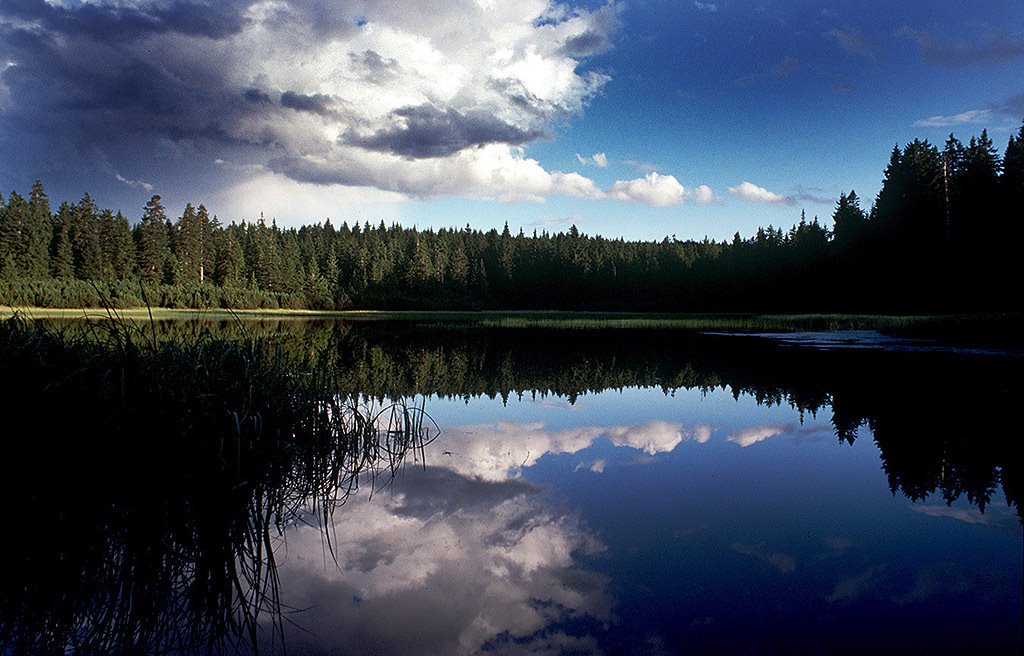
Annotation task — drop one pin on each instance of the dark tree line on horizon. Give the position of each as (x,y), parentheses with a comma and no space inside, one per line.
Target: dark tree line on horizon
(942,234)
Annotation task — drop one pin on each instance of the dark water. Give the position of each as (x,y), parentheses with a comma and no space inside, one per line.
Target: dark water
(657,492)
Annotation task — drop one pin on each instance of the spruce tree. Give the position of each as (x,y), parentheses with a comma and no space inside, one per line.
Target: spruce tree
(62,259)
(13,220)
(151,241)
(38,234)
(849,220)
(85,240)
(187,246)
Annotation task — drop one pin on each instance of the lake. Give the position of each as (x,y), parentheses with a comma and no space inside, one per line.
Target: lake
(655,491)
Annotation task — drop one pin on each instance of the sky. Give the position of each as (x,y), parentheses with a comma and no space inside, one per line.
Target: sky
(638,119)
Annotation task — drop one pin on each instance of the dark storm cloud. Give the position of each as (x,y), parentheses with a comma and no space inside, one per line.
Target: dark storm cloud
(210,19)
(84,77)
(426,131)
(315,104)
(995,48)
(257,97)
(174,89)
(82,59)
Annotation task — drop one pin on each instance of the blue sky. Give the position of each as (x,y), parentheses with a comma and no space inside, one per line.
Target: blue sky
(636,119)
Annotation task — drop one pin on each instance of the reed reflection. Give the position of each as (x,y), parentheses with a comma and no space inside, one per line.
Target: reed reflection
(152,483)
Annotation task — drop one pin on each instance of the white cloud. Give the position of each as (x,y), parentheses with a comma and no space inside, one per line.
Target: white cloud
(599,160)
(750,436)
(751,192)
(134,183)
(703,195)
(652,189)
(970,117)
(709,7)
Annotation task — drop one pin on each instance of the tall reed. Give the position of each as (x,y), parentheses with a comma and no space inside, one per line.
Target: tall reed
(153,478)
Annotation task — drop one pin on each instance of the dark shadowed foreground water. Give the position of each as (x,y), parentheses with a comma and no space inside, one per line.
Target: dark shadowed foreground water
(658,492)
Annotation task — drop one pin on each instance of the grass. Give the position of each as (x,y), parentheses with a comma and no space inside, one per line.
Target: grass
(159,475)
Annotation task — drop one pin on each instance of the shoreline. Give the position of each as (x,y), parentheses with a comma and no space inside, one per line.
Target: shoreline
(983,327)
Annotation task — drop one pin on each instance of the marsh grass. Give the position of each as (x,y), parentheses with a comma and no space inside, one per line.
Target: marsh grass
(155,477)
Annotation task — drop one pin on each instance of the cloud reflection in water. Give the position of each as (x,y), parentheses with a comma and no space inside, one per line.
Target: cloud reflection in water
(445,564)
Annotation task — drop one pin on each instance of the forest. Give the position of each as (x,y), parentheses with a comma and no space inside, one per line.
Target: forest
(941,236)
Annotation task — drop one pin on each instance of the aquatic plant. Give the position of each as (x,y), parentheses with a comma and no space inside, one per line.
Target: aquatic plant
(152,479)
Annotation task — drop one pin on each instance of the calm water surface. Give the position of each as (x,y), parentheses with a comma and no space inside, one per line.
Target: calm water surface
(583,492)
(639,521)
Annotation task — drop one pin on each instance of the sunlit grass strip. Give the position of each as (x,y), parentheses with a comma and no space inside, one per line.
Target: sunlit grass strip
(984,328)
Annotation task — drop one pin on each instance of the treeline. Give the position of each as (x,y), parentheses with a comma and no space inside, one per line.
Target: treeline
(942,234)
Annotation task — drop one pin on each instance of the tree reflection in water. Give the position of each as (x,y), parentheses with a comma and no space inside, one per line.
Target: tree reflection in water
(154,479)
(940,418)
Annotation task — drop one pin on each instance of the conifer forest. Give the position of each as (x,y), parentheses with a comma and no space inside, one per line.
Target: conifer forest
(940,236)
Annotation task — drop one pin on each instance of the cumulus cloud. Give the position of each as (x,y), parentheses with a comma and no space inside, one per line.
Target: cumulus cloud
(652,189)
(703,195)
(755,194)
(419,99)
